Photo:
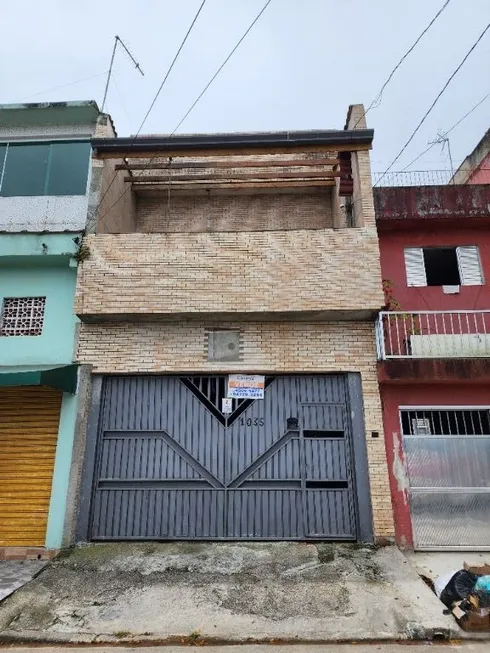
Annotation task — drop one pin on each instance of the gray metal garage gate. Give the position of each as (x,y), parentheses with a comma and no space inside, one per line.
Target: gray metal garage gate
(168,464)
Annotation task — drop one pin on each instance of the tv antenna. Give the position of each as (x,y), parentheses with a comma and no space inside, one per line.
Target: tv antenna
(442,139)
(117,40)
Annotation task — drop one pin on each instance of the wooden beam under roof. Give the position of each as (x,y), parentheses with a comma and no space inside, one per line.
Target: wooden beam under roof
(234,185)
(283,163)
(327,174)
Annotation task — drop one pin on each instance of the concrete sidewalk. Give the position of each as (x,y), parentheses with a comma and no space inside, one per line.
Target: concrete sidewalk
(225,593)
(15,573)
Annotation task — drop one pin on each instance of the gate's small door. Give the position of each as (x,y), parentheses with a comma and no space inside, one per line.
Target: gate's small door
(172,466)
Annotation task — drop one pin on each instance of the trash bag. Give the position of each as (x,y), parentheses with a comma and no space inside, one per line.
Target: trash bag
(441,582)
(459,587)
(483,584)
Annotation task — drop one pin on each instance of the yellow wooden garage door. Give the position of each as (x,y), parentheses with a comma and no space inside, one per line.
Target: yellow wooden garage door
(29,419)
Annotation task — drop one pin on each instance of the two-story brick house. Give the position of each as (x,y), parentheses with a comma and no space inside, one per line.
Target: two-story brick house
(45,195)
(228,299)
(434,367)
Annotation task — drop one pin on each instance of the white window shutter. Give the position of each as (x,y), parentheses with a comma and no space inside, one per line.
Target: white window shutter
(469,265)
(415,266)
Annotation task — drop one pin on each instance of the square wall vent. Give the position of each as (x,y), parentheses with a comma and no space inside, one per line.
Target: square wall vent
(223,346)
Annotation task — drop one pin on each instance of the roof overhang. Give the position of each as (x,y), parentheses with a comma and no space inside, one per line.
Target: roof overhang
(62,378)
(291,162)
(48,113)
(255,142)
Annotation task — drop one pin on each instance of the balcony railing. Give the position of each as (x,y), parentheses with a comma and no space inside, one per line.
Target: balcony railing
(412,178)
(433,334)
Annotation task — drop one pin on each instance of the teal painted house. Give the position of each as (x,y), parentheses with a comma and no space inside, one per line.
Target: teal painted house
(46,189)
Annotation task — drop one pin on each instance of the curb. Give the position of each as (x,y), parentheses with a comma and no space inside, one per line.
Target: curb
(87,639)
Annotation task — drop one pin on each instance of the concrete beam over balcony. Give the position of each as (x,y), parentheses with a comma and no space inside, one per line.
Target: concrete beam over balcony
(397,206)
(431,370)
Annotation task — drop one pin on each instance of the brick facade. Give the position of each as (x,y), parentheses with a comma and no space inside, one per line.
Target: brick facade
(268,347)
(284,269)
(242,272)
(259,212)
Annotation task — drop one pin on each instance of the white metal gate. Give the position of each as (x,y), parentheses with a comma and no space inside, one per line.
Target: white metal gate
(447,450)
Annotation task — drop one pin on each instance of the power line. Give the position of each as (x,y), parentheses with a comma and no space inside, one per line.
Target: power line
(429,110)
(57,88)
(222,65)
(448,131)
(156,96)
(171,66)
(195,101)
(121,99)
(377,100)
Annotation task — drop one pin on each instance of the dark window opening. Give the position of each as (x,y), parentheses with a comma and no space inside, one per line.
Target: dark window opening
(310,433)
(326,485)
(446,422)
(441,266)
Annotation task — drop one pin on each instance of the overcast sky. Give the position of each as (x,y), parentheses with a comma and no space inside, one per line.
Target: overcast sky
(300,67)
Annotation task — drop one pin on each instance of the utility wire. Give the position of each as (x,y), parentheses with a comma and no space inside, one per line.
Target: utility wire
(121,99)
(57,88)
(429,110)
(170,67)
(377,100)
(222,66)
(169,70)
(456,124)
(194,103)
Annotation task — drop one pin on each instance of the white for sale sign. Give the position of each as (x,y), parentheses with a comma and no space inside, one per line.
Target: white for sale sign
(246,386)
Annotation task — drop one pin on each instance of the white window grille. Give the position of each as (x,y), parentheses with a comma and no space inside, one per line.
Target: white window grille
(22,316)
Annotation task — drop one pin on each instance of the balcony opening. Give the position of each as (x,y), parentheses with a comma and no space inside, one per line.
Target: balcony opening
(441,266)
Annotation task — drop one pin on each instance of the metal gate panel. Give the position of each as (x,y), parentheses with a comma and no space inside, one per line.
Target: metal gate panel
(165,406)
(326,460)
(451,519)
(261,426)
(313,391)
(329,417)
(141,456)
(170,465)
(271,514)
(330,507)
(449,462)
(283,464)
(154,514)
